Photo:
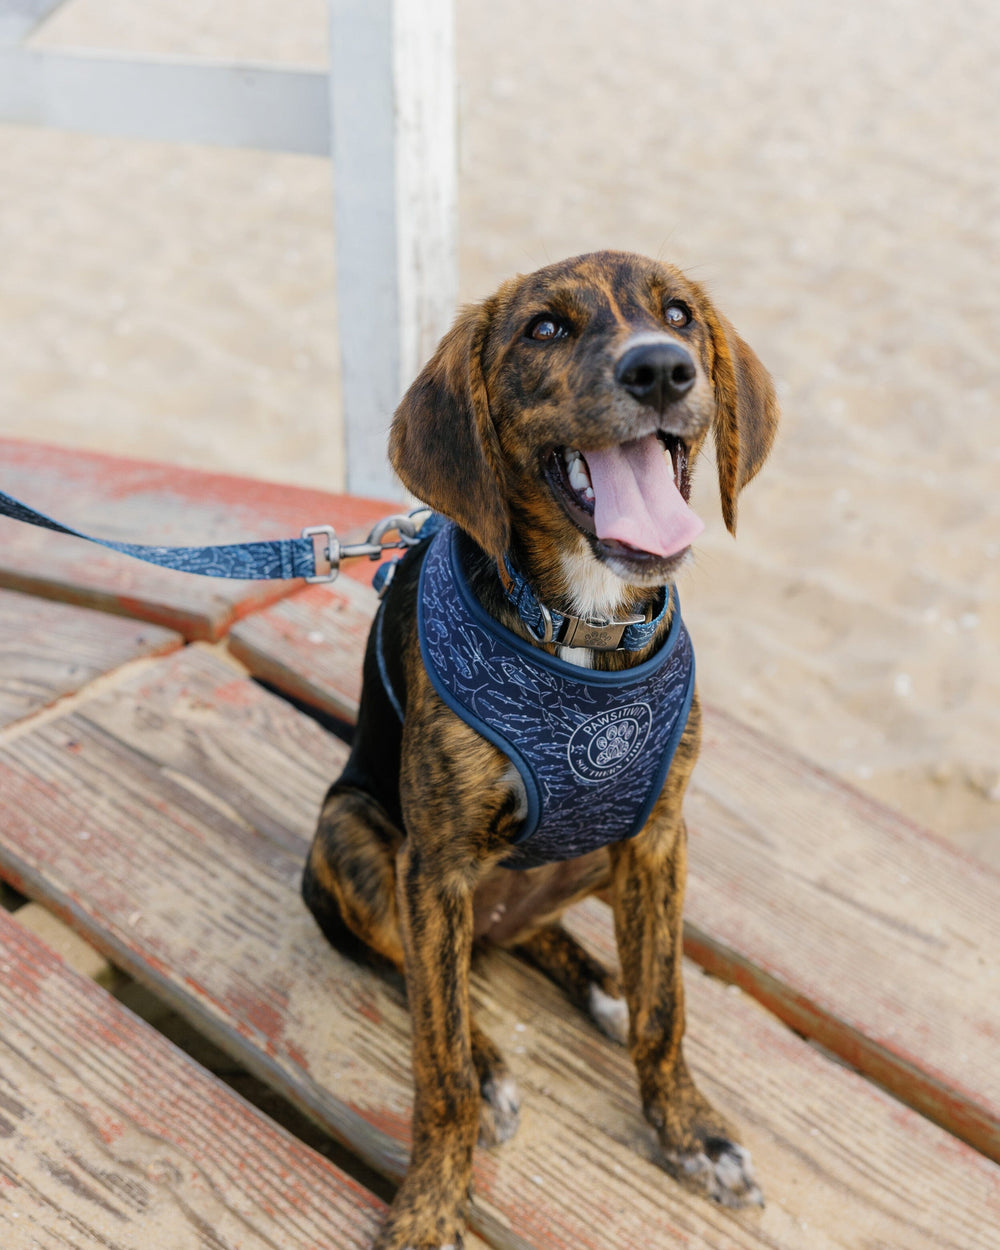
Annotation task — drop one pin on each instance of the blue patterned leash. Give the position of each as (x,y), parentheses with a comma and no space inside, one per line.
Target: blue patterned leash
(315,555)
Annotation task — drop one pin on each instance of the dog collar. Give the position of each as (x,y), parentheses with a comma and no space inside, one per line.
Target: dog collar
(630,633)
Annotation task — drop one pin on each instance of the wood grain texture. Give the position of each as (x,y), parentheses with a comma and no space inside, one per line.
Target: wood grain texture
(310,645)
(852,924)
(167,817)
(136,501)
(112,1139)
(277,644)
(48,650)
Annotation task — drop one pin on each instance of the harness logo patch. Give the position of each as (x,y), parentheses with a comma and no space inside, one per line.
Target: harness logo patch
(605,745)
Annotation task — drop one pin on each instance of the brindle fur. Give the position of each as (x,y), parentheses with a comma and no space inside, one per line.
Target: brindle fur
(406,863)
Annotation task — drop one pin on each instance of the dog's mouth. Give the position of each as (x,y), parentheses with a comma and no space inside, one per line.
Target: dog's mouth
(633,498)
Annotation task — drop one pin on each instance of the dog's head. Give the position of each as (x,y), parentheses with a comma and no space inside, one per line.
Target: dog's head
(560,418)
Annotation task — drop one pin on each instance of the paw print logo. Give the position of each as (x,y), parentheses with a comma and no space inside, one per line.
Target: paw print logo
(608,744)
(614,743)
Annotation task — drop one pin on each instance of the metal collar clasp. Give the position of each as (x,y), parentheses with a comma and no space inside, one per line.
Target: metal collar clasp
(599,634)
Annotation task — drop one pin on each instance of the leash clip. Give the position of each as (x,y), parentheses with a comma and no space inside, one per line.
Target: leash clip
(406,527)
(330,551)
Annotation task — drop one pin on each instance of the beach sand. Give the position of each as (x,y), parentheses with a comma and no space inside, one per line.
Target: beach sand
(830,171)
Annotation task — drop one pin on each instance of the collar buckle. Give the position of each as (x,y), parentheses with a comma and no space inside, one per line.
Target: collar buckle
(597,633)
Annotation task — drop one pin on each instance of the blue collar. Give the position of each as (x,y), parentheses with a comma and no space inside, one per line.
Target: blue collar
(631,633)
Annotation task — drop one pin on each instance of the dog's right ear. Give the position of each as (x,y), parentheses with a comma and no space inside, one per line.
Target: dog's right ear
(746,416)
(443,443)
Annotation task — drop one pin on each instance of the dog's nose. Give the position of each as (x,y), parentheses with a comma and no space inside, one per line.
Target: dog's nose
(656,374)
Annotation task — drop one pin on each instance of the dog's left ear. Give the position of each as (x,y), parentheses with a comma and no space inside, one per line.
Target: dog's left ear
(443,443)
(746,415)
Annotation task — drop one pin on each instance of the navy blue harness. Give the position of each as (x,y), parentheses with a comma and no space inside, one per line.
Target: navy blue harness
(592,748)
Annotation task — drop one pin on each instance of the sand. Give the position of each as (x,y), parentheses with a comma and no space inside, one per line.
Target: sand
(830,171)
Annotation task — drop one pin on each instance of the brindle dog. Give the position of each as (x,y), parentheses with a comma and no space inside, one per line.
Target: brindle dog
(596,354)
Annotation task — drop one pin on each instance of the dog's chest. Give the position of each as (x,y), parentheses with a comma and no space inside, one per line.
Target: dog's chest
(592,748)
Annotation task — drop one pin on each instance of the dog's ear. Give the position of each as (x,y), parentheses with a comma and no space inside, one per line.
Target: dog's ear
(746,415)
(443,443)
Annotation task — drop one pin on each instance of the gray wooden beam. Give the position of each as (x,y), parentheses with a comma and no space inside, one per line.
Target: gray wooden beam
(229,104)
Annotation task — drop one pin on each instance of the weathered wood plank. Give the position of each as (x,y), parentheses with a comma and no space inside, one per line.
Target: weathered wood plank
(136,501)
(310,646)
(48,650)
(112,1138)
(167,817)
(853,925)
(74,951)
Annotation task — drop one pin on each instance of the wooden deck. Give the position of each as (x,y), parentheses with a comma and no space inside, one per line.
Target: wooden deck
(159,799)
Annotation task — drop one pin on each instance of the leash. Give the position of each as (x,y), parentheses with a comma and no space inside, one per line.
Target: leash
(315,555)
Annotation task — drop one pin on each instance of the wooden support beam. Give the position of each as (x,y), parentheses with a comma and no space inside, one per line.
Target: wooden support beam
(394,149)
(228,104)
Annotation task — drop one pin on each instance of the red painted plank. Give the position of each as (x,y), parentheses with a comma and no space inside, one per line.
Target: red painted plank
(310,645)
(143,502)
(855,926)
(49,650)
(112,1137)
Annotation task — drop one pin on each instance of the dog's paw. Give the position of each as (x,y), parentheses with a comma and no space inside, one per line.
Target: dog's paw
(457,1244)
(610,1014)
(451,1245)
(406,1235)
(722,1169)
(499,1111)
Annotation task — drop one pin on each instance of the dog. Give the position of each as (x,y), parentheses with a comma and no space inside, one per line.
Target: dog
(555,428)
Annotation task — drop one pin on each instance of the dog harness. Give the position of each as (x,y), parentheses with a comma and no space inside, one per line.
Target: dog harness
(592,748)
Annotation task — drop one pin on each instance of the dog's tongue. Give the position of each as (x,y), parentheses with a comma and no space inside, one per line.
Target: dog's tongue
(636,500)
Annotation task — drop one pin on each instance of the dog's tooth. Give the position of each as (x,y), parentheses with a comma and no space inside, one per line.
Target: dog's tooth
(579,478)
(588,494)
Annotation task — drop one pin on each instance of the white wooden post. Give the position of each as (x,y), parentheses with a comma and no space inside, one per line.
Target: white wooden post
(389,120)
(394,147)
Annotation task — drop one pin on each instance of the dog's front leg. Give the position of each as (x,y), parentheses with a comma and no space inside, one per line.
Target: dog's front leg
(435,910)
(648,876)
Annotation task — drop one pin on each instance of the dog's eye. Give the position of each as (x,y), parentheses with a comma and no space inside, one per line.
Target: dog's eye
(545,328)
(677,314)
